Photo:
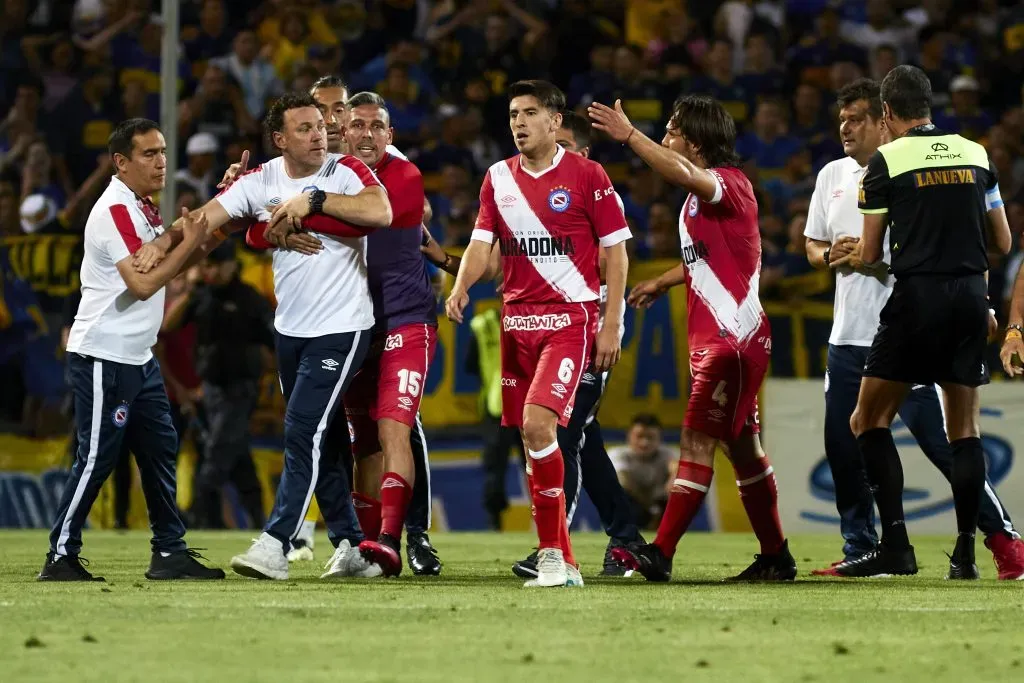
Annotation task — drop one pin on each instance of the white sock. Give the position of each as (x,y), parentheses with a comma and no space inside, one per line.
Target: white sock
(307,531)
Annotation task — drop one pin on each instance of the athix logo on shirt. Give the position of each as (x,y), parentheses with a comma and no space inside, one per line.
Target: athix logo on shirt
(559,200)
(394,341)
(532,323)
(330,364)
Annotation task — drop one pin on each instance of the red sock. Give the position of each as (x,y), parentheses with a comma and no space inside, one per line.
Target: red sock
(548,496)
(760,496)
(564,540)
(688,491)
(368,514)
(395,494)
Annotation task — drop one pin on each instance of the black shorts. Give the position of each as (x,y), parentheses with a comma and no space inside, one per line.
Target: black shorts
(933,329)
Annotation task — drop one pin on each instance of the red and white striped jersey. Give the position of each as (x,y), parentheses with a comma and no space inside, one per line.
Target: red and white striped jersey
(721,248)
(549,226)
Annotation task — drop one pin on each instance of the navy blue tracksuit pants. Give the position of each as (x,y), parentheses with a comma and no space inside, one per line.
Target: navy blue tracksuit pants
(587,465)
(921,412)
(115,403)
(315,372)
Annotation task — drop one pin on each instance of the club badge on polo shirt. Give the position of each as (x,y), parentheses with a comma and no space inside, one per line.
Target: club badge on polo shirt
(120,416)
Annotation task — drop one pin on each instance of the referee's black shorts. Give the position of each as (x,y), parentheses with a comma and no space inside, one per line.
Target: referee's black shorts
(933,329)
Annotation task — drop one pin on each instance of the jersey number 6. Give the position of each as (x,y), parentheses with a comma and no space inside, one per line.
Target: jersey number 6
(565,370)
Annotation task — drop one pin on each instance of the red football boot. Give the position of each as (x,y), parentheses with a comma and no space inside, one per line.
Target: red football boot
(385,552)
(1008,554)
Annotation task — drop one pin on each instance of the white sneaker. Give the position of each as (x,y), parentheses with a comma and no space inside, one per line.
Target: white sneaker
(263,560)
(551,570)
(574,578)
(302,549)
(347,561)
(303,553)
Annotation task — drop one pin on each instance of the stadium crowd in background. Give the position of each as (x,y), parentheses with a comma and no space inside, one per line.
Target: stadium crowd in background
(70,71)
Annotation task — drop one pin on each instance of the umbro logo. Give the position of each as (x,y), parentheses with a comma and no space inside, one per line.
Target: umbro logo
(508,199)
(274,201)
(405,401)
(330,364)
(551,493)
(559,388)
(392,483)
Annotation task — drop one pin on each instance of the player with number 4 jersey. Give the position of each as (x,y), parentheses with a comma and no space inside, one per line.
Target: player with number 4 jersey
(552,213)
(728,333)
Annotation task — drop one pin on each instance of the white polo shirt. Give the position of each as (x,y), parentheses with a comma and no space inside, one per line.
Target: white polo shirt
(111,323)
(833,214)
(316,295)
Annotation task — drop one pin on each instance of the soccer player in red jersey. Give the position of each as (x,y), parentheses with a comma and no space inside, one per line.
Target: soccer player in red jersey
(728,332)
(551,212)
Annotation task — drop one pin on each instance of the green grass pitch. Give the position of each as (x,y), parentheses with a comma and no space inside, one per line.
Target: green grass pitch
(477,623)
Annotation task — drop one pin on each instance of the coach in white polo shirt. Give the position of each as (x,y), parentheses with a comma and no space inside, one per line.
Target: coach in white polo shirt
(118,391)
(323,318)
(833,230)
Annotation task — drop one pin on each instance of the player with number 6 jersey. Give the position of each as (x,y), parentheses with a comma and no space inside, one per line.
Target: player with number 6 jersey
(728,333)
(551,213)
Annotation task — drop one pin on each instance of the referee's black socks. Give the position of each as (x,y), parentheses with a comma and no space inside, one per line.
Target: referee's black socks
(968,480)
(885,473)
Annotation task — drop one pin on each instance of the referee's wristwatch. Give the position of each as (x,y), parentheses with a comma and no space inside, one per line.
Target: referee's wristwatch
(316,201)
(827,255)
(1014,329)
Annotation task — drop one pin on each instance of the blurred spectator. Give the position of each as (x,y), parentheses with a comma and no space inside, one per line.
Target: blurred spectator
(39,177)
(795,180)
(56,69)
(811,124)
(585,85)
(883,60)
(662,239)
(641,96)
(316,27)
(585,40)
(882,28)
(292,44)
(1009,176)
(405,103)
(217,107)
(507,50)
(9,221)
(719,81)
(403,53)
(138,60)
(89,116)
(760,74)
(768,143)
(646,468)
(964,115)
(681,47)
(133,100)
(208,40)
(643,188)
(199,174)
(932,60)
(813,56)
(254,75)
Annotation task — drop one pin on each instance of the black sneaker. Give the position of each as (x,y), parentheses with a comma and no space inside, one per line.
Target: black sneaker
(881,561)
(611,567)
(66,568)
(961,563)
(526,568)
(778,567)
(423,559)
(182,564)
(645,558)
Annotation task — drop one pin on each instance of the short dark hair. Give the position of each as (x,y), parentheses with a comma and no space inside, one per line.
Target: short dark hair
(366,98)
(579,126)
(862,89)
(704,122)
(548,94)
(122,140)
(328,81)
(645,420)
(293,100)
(908,92)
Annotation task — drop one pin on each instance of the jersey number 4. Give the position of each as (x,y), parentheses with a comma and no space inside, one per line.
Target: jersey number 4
(719,396)
(409,382)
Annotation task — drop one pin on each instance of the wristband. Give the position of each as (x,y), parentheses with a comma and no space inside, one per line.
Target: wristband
(632,129)
(1015,330)
(219,234)
(827,255)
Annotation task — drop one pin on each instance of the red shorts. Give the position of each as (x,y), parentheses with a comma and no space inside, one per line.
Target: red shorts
(389,384)
(724,384)
(545,349)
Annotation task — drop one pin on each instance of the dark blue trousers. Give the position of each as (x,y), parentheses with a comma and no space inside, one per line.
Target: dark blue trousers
(587,465)
(315,373)
(115,403)
(921,412)
(417,515)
